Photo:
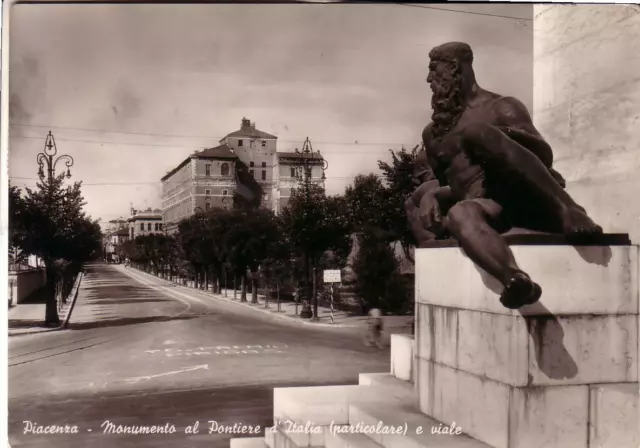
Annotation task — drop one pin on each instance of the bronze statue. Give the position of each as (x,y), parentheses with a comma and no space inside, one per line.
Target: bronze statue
(485,170)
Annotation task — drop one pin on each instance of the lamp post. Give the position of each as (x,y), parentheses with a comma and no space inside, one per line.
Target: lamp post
(47,158)
(306,159)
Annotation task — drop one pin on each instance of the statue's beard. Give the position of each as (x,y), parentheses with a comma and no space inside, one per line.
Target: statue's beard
(447,105)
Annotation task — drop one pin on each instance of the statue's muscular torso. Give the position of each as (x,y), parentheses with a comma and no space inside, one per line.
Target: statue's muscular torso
(451,164)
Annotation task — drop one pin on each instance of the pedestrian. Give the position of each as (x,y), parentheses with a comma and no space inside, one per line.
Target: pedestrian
(374,331)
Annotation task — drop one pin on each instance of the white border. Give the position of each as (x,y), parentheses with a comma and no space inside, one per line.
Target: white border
(4,219)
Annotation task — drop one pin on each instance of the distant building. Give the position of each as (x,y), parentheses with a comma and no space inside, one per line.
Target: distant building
(145,222)
(245,163)
(116,224)
(113,240)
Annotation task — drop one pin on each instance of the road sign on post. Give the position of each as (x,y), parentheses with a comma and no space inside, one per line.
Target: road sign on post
(332,276)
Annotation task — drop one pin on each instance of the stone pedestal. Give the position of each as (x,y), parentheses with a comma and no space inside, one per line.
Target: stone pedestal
(560,373)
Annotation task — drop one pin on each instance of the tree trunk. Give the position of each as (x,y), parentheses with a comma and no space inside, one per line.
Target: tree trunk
(234,287)
(51,318)
(254,288)
(278,292)
(243,288)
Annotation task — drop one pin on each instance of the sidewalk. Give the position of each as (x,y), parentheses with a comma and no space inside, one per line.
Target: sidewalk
(28,317)
(341,319)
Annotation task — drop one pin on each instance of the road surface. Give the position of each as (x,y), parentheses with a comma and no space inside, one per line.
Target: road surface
(141,354)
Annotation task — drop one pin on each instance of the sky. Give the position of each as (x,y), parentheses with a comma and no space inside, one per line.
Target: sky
(129,91)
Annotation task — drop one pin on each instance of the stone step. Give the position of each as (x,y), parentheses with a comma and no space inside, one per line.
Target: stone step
(323,405)
(349,440)
(402,356)
(247,442)
(402,389)
(411,429)
(283,437)
(270,436)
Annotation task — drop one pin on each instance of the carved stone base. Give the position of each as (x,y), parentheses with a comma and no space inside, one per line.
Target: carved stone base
(560,373)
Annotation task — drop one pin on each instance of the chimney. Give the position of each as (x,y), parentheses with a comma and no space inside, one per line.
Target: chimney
(246,123)
(253,125)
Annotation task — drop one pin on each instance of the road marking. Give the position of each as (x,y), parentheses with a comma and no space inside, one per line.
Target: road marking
(220,350)
(149,377)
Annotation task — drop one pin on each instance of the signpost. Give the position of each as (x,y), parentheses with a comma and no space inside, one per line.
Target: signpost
(332,276)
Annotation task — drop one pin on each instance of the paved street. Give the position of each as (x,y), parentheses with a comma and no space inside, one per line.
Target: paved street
(140,351)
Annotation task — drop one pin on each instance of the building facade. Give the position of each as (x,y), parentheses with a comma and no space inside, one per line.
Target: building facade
(211,178)
(145,222)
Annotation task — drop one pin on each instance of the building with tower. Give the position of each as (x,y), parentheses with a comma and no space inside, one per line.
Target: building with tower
(246,165)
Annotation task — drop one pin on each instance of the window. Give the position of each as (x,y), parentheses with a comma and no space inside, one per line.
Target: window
(293,172)
(207,192)
(207,169)
(157,227)
(264,175)
(224,169)
(207,206)
(160,226)
(264,143)
(225,192)
(251,172)
(264,164)
(149,226)
(251,164)
(142,227)
(239,142)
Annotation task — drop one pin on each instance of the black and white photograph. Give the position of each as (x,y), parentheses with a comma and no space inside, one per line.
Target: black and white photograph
(321,224)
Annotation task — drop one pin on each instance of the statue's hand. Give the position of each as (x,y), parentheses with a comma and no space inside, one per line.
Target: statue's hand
(430,213)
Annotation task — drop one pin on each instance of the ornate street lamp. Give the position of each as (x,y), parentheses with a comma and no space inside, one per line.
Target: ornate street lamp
(305,161)
(47,158)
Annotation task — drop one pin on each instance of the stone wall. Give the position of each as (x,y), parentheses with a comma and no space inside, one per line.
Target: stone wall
(24,283)
(587,105)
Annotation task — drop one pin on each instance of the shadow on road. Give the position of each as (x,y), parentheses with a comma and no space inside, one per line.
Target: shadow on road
(125,301)
(120,322)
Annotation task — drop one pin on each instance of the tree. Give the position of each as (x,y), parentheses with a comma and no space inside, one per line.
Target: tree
(316,224)
(49,222)
(16,226)
(249,237)
(398,176)
(379,283)
(370,206)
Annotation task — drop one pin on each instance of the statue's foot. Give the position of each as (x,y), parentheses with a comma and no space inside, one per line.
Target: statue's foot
(578,226)
(520,291)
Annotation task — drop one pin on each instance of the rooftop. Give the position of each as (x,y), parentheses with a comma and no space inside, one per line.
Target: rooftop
(248,129)
(146,214)
(219,152)
(121,232)
(295,155)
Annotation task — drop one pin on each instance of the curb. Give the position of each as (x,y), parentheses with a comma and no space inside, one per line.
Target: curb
(65,322)
(253,307)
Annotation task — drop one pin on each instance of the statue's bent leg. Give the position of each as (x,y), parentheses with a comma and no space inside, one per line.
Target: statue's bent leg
(508,157)
(469,222)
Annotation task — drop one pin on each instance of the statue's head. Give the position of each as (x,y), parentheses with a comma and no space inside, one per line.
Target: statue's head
(449,65)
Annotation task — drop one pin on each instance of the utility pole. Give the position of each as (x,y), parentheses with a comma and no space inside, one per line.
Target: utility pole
(306,160)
